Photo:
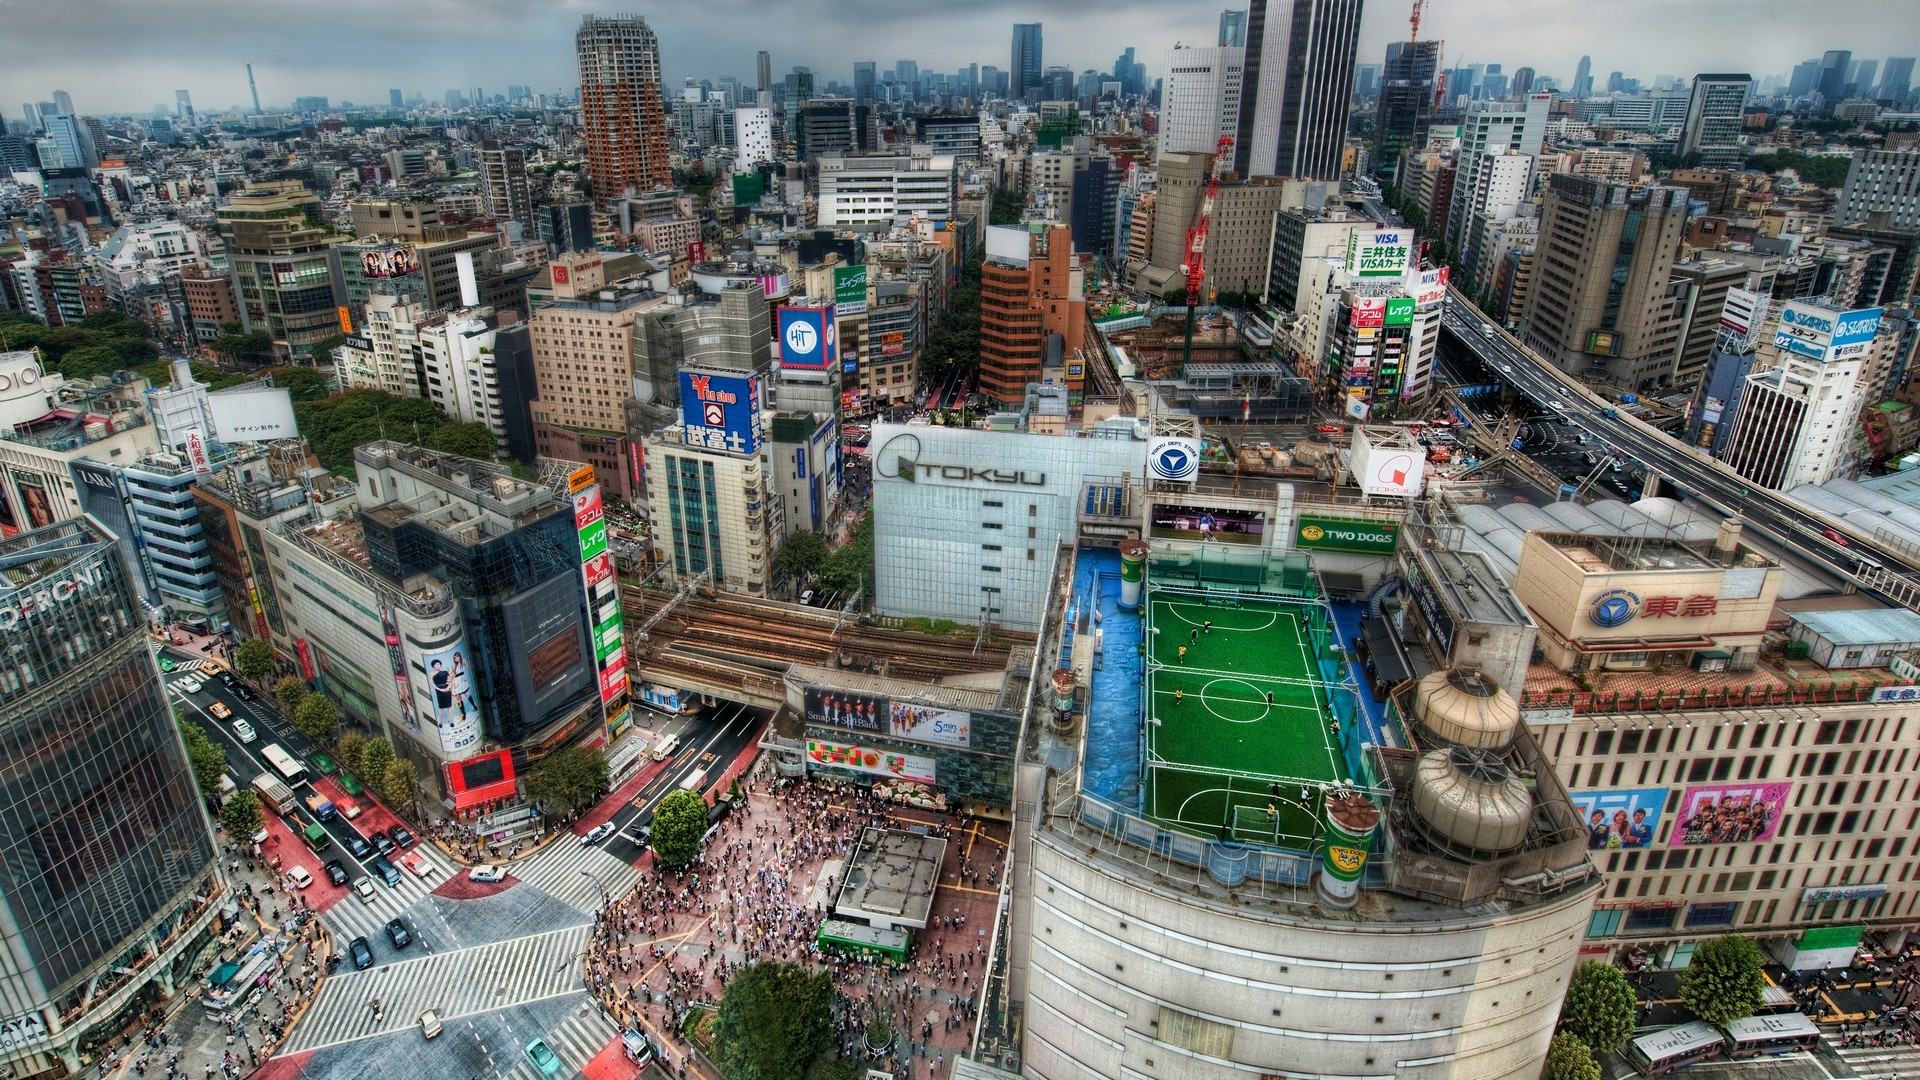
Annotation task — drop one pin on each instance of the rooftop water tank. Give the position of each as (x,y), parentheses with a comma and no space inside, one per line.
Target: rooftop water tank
(1469,803)
(1462,707)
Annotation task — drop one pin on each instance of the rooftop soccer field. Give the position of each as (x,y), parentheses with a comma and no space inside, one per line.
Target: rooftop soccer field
(1241,698)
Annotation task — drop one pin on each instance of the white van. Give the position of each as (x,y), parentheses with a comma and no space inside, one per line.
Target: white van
(695,783)
(666,748)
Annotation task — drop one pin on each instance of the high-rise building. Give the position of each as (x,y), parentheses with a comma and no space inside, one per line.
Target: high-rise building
(1028,65)
(1832,84)
(1233,28)
(1805,78)
(1200,100)
(753,138)
(863,81)
(183,107)
(1883,181)
(396,99)
(1406,102)
(877,189)
(1491,127)
(1582,85)
(1897,82)
(763,70)
(1861,77)
(112,879)
(622,115)
(1522,83)
(277,245)
(1797,418)
(907,73)
(1716,113)
(1601,273)
(1297,87)
(504,194)
(1030,292)
(63,103)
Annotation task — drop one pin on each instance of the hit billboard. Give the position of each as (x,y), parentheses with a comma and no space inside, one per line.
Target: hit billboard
(807,339)
(721,411)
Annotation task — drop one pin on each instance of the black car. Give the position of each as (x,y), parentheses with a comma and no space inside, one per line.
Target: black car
(362,953)
(381,843)
(227,679)
(397,933)
(401,837)
(240,691)
(359,846)
(336,873)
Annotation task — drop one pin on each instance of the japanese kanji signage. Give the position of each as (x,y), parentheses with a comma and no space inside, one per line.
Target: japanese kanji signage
(1383,253)
(1619,607)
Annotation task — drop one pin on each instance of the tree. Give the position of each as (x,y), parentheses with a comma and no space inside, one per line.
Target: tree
(398,783)
(374,759)
(678,825)
(775,1021)
(352,746)
(1175,297)
(316,717)
(1724,981)
(320,352)
(474,440)
(291,690)
(801,555)
(1569,1059)
(242,816)
(209,761)
(1599,1007)
(568,780)
(254,659)
(1007,207)
(249,348)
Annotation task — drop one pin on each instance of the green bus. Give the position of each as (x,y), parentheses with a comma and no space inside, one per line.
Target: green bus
(863,940)
(316,836)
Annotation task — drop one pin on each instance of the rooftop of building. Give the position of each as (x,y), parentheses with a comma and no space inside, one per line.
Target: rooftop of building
(1600,554)
(1863,627)
(469,500)
(1473,587)
(86,411)
(890,877)
(27,558)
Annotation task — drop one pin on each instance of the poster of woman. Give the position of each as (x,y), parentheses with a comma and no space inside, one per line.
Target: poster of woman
(1620,819)
(35,504)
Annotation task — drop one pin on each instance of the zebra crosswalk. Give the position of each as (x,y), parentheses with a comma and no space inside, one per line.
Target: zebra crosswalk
(575,874)
(584,1033)
(455,984)
(353,917)
(1871,1062)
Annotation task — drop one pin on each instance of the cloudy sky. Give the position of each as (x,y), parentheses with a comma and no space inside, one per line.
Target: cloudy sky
(128,55)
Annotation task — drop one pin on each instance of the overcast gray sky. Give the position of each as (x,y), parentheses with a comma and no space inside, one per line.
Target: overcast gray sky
(128,55)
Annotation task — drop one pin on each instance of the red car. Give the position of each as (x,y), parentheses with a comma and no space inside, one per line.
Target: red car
(1329,429)
(1834,536)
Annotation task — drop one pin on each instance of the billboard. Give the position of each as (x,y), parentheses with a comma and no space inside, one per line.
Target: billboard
(253,414)
(36,506)
(451,704)
(849,290)
(1822,333)
(1172,457)
(1170,521)
(721,412)
(925,723)
(807,339)
(1011,244)
(839,708)
(1400,311)
(1392,472)
(1368,312)
(1357,536)
(1629,818)
(196,443)
(602,593)
(1729,814)
(1381,253)
(389,262)
(874,762)
(1432,287)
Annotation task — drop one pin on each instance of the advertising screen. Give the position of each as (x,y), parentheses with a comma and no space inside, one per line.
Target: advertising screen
(453,708)
(1383,253)
(389,262)
(807,339)
(1620,819)
(589,521)
(1729,814)
(30,490)
(839,708)
(1175,522)
(872,761)
(850,290)
(1316,532)
(255,414)
(925,723)
(721,412)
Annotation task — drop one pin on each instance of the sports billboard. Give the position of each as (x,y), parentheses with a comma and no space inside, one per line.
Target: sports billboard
(1357,536)
(807,339)
(1173,457)
(721,411)
(924,723)
(1628,818)
(389,262)
(1729,814)
(849,290)
(1173,522)
(253,414)
(874,762)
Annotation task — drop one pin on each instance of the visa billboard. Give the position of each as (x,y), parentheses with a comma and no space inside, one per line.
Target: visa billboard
(721,411)
(807,339)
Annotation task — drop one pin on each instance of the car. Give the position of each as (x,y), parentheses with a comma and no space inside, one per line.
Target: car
(401,837)
(336,873)
(240,691)
(544,1058)
(226,678)
(187,686)
(806,597)
(639,1049)
(166,663)
(397,933)
(381,844)
(387,872)
(486,872)
(362,953)
(1485,330)
(417,863)
(671,743)
(301,876)
(1506,369)
(1834,536)
(429,1024)
(220,711)
(364,890)
(1556,403)
(359,846)
(598,833)
(1329,429)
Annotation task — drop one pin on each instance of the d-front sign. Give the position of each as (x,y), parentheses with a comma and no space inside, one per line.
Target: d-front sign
(900,459)
(42,595)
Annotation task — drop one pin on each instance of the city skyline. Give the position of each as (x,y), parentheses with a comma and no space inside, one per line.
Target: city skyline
(203,48)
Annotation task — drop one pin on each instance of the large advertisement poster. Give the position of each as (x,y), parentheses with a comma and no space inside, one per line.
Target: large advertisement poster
(390,262)
(721,412)
(850,290)
(36,505)
(838,708)
(1174,522)
(456,711)
(872,761)
(603,595)
(807,339)
(1317,532)
(9,524)
(1620,819)
(1729,814)
(925,723)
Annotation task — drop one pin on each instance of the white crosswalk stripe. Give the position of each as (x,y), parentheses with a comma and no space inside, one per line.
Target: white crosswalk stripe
(353,917)
(456,984)
(583,1034)
(1871,1061)
(574,874)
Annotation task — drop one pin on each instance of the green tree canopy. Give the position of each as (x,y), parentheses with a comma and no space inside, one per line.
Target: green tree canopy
(1599,1007)
(254,348)
(1007,206)
(775,1022)
(568,780)
(254,659)
(335,425)
(241,815)
(352,746)
(678,825)
(316,717)
(474,440)
(290,691)
(801,554)
(1820,170)
(397,784)
(1724,981)
(1569,1059)
(209,761)
(374,759)
(1175,296)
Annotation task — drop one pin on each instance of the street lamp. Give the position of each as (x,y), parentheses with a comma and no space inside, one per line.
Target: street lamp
(591,876)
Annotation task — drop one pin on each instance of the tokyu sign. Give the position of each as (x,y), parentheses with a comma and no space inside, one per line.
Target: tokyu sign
(1315,532)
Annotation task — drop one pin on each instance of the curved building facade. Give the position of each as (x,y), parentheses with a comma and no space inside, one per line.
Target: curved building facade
(108,872)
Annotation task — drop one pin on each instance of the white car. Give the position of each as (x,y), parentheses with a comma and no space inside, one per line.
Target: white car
(1506,368)
(301,878)
(1556,404)
(244,731)
(598,833)
(486,872)
(364,890)
(188,686)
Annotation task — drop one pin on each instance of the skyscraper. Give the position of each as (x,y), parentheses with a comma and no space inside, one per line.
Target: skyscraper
(183,107)
(621,113)
(1860,77)
(1897,82)
(1582,84)
(1233,28)
(1716,113)
(1201,98)
(1406,101)
(863,82)
(908,73)
(394,98)
(1522,83)
(504,194)
(63,102)
(763,69)
(1882,181)
(1026,73)
(1832,83)
(1297,87)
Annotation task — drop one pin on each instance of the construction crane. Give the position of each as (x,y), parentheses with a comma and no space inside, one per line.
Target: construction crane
(1195,268)
(1418,7)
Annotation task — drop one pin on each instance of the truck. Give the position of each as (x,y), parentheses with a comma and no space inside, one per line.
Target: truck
(320,806)
(274,794)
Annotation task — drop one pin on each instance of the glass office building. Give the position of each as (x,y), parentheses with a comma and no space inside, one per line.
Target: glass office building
(108,875)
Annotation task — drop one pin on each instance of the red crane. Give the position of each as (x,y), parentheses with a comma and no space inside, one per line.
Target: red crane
(1195,268)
